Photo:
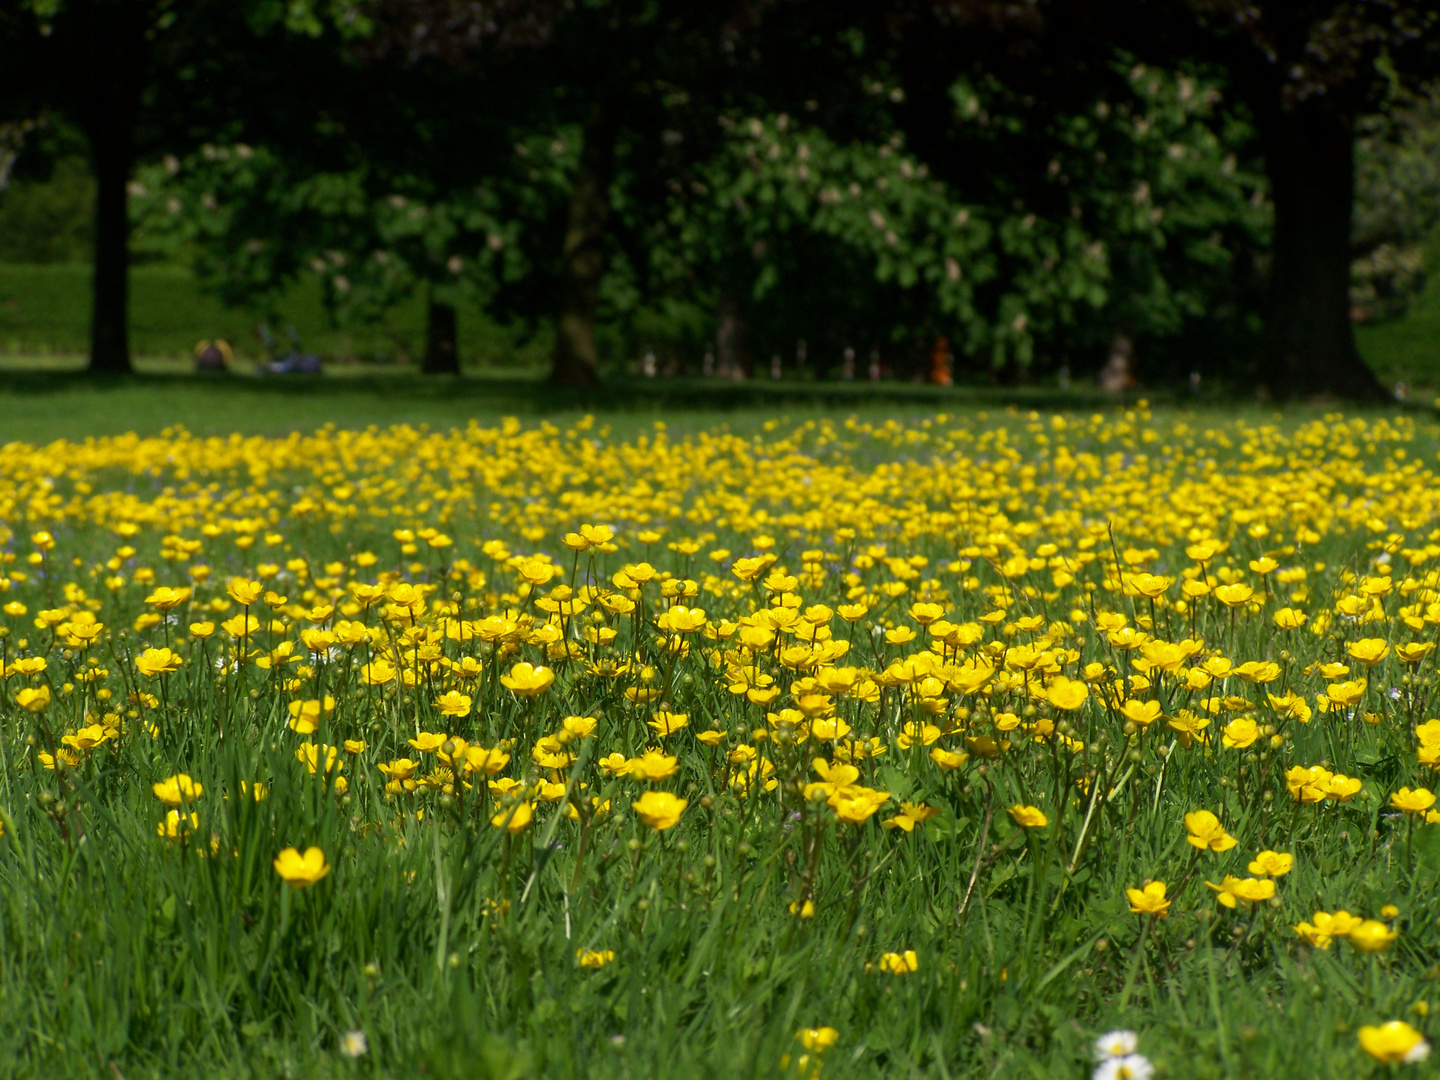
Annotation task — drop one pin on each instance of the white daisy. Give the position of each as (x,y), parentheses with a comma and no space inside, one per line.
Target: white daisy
(1129,1067)
(1115,1044)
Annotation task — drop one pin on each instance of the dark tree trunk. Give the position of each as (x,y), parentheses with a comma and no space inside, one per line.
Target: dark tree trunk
(111,159)
(1311,162)
(442,355)
(574,359)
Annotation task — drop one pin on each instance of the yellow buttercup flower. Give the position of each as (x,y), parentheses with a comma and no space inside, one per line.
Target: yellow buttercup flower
(166,598)
(1393,1042)
(1249,890)
(33,699)
(527,680)
(652,765)
(948,759)
(1206,832)
(305,715)
(244,592)
(88,738)
(1149,900)
(818,1039)
(1142,713)
(1271,864)
(1149,585)
(301,871)
(1346,694)
(453,703)
(1233,596)
(667,723)
(515,818)
(177,790)
(1336,925)
(1412,802)
(911,814)
(902,963)
(581,727)
(1240,733)
(1290,619)
(1372,936)
(856,804)
(1414,652)
(1369,651)
(1030,817)
(659,809)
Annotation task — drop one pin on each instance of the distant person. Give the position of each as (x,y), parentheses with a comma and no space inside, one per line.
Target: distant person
(294,362)
(213,355)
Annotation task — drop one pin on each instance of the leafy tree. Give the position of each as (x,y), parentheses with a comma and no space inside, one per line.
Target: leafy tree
(401,177)
(1302,72)
(1397,203)
(639,82)
(1134,220)
(141,77)
(1308,71)
(252,221)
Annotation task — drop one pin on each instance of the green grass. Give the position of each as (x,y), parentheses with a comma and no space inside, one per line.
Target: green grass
(45,311)
(452,946)
(1408,350)
(40,405)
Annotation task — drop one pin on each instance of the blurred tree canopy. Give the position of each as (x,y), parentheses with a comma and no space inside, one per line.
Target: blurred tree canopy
(1221,187)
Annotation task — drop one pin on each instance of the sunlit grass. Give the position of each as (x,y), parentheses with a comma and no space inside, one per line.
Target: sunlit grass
(634,747)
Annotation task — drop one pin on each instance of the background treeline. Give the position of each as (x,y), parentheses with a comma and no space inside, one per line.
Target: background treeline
(1203,186)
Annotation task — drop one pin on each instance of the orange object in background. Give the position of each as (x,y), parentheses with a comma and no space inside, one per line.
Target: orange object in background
(940,362)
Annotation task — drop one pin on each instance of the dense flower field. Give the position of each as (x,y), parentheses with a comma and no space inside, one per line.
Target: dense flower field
(843,748)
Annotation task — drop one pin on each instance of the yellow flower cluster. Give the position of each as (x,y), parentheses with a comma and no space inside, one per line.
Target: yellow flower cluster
(1077,620)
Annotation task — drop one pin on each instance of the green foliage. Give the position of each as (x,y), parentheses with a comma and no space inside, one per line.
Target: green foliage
(1142,219)
(1397,204)
(253,223)
(49,219)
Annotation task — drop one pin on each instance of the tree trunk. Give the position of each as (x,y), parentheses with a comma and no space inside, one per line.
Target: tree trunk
(732,356)
(442,356)
(109,319)
(1311,162)
(574,359)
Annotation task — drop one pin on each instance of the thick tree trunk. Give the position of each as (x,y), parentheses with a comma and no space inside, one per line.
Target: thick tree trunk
(1311,162)
(442,355)
(109,319)
(574,359)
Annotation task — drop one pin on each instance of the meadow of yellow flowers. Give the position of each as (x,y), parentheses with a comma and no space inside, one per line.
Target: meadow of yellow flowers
(839,748)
